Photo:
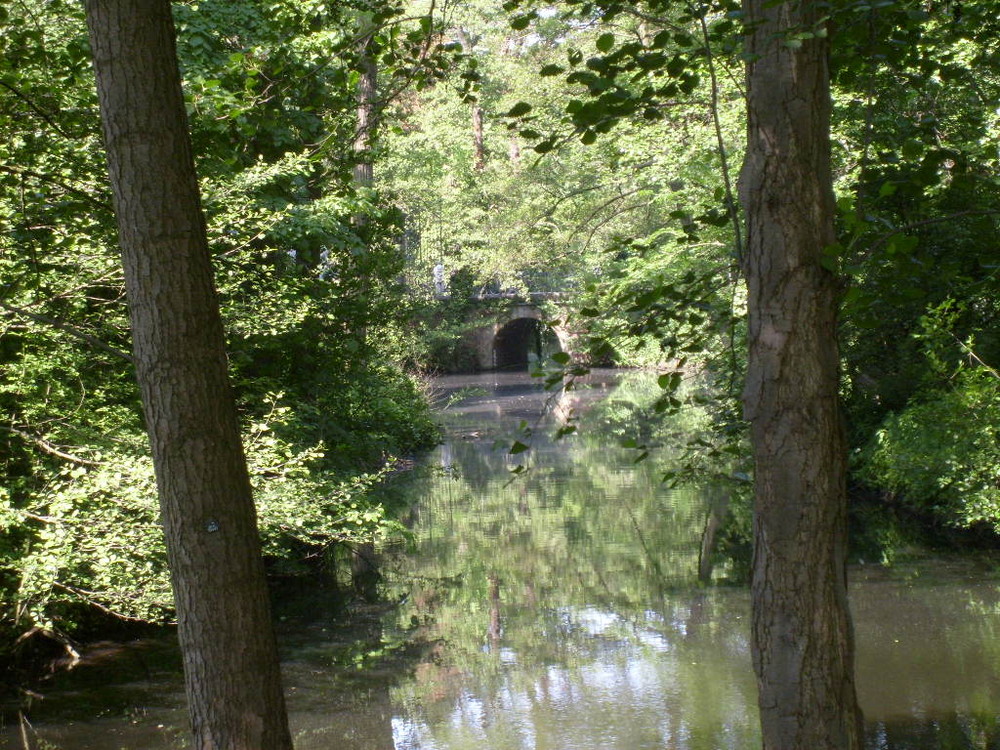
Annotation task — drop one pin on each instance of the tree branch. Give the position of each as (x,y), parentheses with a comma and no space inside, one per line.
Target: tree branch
(88,597)
(71,330)
(972,355)
(732,207)
(69,188)
(46,447)
(35,108)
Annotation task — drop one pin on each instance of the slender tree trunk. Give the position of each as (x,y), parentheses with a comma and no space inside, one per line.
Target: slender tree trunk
(365,573)
(802,638)
(364,160)
(230,657)
(514,151)
(710,537)
(478,138)
(367,109)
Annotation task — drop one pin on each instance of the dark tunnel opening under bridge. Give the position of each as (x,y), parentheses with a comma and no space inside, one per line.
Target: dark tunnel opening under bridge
(523,342)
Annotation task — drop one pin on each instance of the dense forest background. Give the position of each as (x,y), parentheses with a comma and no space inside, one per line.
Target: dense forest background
(346,151)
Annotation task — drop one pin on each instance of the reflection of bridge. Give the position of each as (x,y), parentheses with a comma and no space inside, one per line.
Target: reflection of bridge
(515,335)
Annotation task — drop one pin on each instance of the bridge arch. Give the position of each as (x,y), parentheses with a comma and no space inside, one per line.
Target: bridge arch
(517,337)
(519,343)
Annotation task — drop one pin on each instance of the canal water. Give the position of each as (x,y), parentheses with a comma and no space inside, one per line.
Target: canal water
(564,605)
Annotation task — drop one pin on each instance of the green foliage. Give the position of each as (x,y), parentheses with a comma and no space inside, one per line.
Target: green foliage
(438,324)
(303,510)
(941,454)
(663,301)
(521,221)
(915,129)
(92,537)
(307,271)
(325,287)
(608,220)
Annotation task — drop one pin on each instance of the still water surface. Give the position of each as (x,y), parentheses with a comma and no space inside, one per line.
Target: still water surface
(561,609)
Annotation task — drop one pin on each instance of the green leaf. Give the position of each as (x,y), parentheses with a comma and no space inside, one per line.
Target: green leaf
(519,23)
(605,42)
(518,447)
(543,147)
(887,189)
(669,381)
(565,430)
(518,110)
(912,148)
(901,244)
(551,70)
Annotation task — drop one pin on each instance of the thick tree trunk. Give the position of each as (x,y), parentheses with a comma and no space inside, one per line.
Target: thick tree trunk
(230,657)
(802,637)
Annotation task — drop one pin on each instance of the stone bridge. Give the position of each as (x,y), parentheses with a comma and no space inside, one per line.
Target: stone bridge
(516,334)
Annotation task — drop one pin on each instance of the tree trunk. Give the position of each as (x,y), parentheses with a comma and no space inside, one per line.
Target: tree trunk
(802,638)
(478,138)
(364,160)
(230,656)
(514,151)
(364,165)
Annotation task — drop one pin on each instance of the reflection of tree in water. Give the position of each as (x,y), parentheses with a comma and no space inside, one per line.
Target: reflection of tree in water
(569,610)
(495,630)
(593,565)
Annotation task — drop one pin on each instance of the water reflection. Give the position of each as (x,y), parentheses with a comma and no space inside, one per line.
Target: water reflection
(565,610)
(565,602)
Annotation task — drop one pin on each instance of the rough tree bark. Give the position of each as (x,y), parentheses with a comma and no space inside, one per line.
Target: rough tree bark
(230,656)
(802,638)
